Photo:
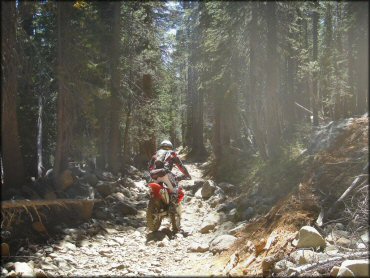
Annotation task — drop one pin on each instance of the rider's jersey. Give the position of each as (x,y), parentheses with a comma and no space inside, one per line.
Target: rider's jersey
(166,159)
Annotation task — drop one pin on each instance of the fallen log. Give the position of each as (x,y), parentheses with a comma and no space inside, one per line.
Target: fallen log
(309,267)
(36,203)
(346,193)
(84,206)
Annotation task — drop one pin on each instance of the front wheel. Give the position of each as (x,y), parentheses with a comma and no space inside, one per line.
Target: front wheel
(153,221)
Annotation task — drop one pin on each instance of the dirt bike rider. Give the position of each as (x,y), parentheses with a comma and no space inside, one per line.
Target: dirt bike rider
(160,167)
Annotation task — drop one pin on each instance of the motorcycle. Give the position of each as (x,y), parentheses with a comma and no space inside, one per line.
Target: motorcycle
(160,205)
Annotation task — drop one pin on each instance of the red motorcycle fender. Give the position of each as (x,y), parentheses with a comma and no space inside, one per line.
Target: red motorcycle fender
(181,195)
(155,187)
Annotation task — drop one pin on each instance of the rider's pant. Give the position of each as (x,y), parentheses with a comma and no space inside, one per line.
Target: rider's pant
(167,180)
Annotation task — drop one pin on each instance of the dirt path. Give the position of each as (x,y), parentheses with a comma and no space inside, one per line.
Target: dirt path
(128,249)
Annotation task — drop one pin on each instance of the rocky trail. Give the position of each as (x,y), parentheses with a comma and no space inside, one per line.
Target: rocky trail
(101,247)
(236,230)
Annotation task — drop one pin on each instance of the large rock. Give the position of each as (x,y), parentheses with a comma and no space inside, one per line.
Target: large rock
(345,272)
(209,223)
(198,247)
(282,265)
(105,188)
(228,188)
(226,207)
(327,136)
(247,213)
(309,237)
(80,191)
(90,179)
(221,243)
(198,183)
(24,269)
(125,209)
(301,257)
(360,268)
(225,227)
(208,188)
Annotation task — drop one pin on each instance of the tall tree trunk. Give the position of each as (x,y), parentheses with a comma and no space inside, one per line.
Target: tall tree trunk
(148,147)
(64,102)
(115,155)
(351,100)
(314,96)
(40,166)
(255,120)
(11,154)
(362,63)
(272,100)
(126,138)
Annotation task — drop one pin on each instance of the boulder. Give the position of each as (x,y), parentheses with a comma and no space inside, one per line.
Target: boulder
(238,228)
(345,272)
(309,237)
(228,188)
(128,183)
(267,264)
(221,243)
(208,188)
(80,191)
(198,247)
(216,199)
(209,223)
(282,266)
(226,207)
(360,268)
(24,269)
(90,179)
(124,208)
(334,271)
(225,227)
(301,257)
(344,242)
(247,213)
(125,191)
(198,183)
(105,188)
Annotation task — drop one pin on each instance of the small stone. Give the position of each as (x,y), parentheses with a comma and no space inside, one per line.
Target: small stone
(334,271)
(344,242)
(282,265)
(68,245)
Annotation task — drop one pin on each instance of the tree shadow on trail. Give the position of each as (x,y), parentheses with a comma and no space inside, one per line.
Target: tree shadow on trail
(161,234)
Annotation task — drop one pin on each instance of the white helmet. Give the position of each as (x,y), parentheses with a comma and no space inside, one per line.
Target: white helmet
(166,144)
